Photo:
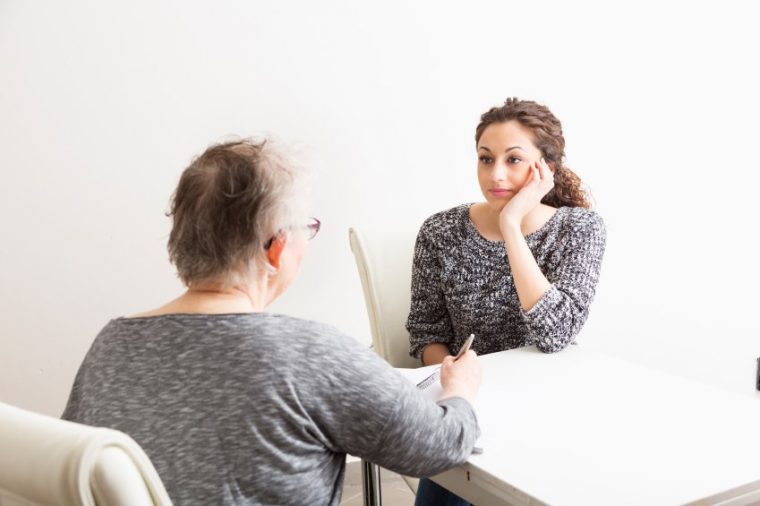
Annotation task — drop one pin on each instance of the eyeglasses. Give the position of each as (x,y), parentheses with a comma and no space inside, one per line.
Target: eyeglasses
(312,228)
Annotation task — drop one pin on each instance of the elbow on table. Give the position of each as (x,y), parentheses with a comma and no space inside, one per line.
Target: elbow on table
(553,344)
(441,463)
(560,333)
(447,452)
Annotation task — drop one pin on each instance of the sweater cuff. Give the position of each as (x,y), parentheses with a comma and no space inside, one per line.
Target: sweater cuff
(460,402)
(542,310)
(457,402)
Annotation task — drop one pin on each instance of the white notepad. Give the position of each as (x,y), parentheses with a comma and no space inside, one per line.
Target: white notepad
(427,379)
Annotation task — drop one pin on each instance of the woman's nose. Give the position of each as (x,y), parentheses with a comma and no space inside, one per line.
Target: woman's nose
(499,171)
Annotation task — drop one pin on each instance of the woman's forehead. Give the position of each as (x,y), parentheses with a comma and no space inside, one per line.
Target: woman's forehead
(500,137)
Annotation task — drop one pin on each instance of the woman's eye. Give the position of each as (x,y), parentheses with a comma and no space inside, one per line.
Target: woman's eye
(513,159)
(485,159)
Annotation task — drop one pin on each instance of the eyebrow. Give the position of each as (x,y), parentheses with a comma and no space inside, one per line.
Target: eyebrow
(506,150)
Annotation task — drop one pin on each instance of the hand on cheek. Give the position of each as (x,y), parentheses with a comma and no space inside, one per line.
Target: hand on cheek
(538,182)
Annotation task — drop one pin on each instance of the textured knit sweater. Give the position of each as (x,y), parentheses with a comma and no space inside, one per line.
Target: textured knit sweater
(261,408)
(462,283)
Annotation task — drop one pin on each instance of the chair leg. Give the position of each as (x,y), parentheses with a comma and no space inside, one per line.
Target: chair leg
(371,484)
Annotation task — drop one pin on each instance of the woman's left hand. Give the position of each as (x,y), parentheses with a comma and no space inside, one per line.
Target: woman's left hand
(540,182)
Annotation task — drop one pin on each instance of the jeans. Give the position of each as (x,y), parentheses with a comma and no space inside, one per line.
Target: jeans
(430,493)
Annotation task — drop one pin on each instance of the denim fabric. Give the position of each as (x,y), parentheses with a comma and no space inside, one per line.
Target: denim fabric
(430,493)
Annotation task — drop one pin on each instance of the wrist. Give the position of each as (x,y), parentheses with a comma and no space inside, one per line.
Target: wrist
(509,226)
(458,391)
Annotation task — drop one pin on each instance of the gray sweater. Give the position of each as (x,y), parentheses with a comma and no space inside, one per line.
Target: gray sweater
(462,283)
(261,408)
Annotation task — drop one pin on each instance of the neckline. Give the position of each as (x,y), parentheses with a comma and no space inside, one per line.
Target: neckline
(189,315)
(473,230)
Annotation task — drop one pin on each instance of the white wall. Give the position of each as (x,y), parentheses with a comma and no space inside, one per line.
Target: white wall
(102,104)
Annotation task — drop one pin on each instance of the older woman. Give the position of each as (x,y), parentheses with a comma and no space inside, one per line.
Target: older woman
(235,405)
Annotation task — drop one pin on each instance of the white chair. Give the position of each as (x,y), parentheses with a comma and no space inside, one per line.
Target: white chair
(48,461)
(384,260)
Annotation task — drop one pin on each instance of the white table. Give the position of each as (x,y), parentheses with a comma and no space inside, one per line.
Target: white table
(583,428)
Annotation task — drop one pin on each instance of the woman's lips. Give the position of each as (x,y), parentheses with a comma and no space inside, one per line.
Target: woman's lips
(500,192)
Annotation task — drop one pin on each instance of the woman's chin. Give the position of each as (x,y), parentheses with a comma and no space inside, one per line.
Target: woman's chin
(496,205)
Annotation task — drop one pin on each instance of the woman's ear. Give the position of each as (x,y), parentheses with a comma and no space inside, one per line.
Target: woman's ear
(274,253)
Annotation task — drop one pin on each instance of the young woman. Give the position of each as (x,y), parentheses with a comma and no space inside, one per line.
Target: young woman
(518,269)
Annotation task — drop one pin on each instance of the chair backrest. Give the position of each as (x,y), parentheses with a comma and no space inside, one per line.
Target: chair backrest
(47,461)
(384,260)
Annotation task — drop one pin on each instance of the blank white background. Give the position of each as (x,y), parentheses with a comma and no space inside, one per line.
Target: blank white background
(102,104)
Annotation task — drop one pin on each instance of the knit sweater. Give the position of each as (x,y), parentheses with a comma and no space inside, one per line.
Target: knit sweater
(462,283)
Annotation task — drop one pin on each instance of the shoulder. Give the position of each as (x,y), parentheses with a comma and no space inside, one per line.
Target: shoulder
(109,336)
(583,221)
(443,223)
(582,228)
(447,219)
(292,325)
(316,335)
(319,353)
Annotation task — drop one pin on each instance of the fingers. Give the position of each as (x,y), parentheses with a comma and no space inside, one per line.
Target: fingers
(470,355)
(471,367)
(540,167)
(545,172)
(450,360)
(467,360)
(534,176)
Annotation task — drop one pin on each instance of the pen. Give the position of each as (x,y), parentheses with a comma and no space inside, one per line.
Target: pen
(465,347)
(422,385)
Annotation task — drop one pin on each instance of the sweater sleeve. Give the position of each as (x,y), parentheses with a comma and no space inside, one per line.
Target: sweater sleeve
(561,312)
(429,320)
(373,412)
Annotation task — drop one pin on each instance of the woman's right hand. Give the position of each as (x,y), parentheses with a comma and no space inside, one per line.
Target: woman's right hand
(461,377)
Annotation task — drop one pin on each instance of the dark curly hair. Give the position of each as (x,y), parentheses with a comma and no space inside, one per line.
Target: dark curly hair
(568,189)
